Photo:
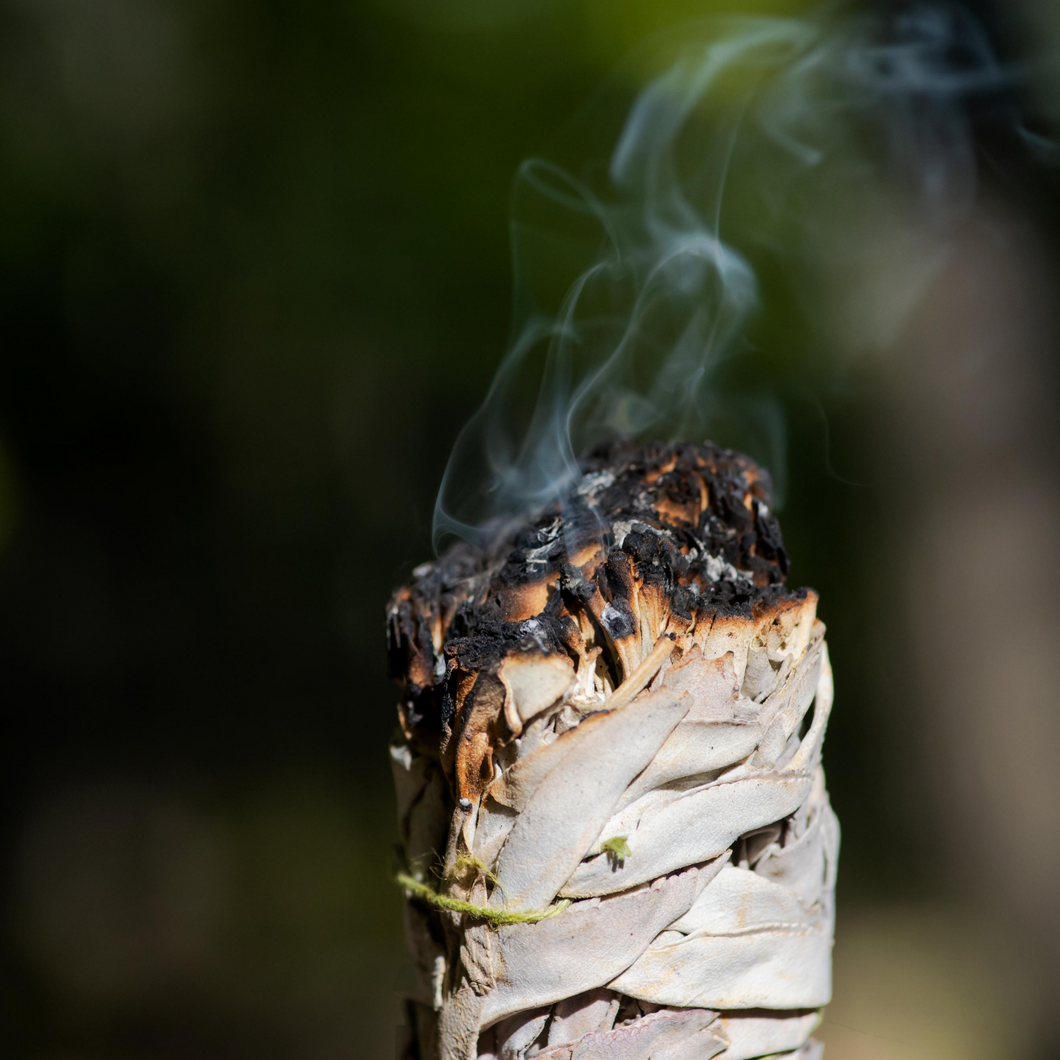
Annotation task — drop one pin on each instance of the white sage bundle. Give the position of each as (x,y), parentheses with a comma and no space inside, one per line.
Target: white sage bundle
(616,834)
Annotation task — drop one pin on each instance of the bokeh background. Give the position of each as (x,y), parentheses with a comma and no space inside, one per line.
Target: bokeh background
(254,278)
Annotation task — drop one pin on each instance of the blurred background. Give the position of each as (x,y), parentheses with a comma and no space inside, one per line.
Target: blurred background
(254,279)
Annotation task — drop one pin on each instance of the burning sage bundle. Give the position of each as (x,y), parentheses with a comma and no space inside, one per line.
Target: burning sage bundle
(616,837)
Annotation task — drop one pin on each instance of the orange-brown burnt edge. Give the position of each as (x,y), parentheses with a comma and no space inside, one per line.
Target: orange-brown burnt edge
(473,609)
(469,744)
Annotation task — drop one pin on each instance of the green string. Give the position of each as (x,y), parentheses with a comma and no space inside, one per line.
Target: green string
(493,917)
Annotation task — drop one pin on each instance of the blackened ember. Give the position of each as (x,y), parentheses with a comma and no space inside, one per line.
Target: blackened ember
(653,538)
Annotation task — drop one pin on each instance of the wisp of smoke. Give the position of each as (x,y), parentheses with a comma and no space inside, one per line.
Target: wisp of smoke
(633,285)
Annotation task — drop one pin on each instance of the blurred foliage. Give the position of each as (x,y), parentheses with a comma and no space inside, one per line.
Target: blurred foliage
(255,277)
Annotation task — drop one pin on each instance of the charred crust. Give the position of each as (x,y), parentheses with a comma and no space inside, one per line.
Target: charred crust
(489,639)
(618,619)
(686,530)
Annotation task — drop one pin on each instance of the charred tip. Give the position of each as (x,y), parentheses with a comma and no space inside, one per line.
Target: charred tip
(653,541)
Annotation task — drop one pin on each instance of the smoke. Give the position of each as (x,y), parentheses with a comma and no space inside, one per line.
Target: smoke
(792,142)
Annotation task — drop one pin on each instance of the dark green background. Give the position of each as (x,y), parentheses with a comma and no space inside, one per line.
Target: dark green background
(254,278)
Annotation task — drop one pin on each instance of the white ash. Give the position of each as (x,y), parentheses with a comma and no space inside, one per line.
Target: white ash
(594,483)
(719,569)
